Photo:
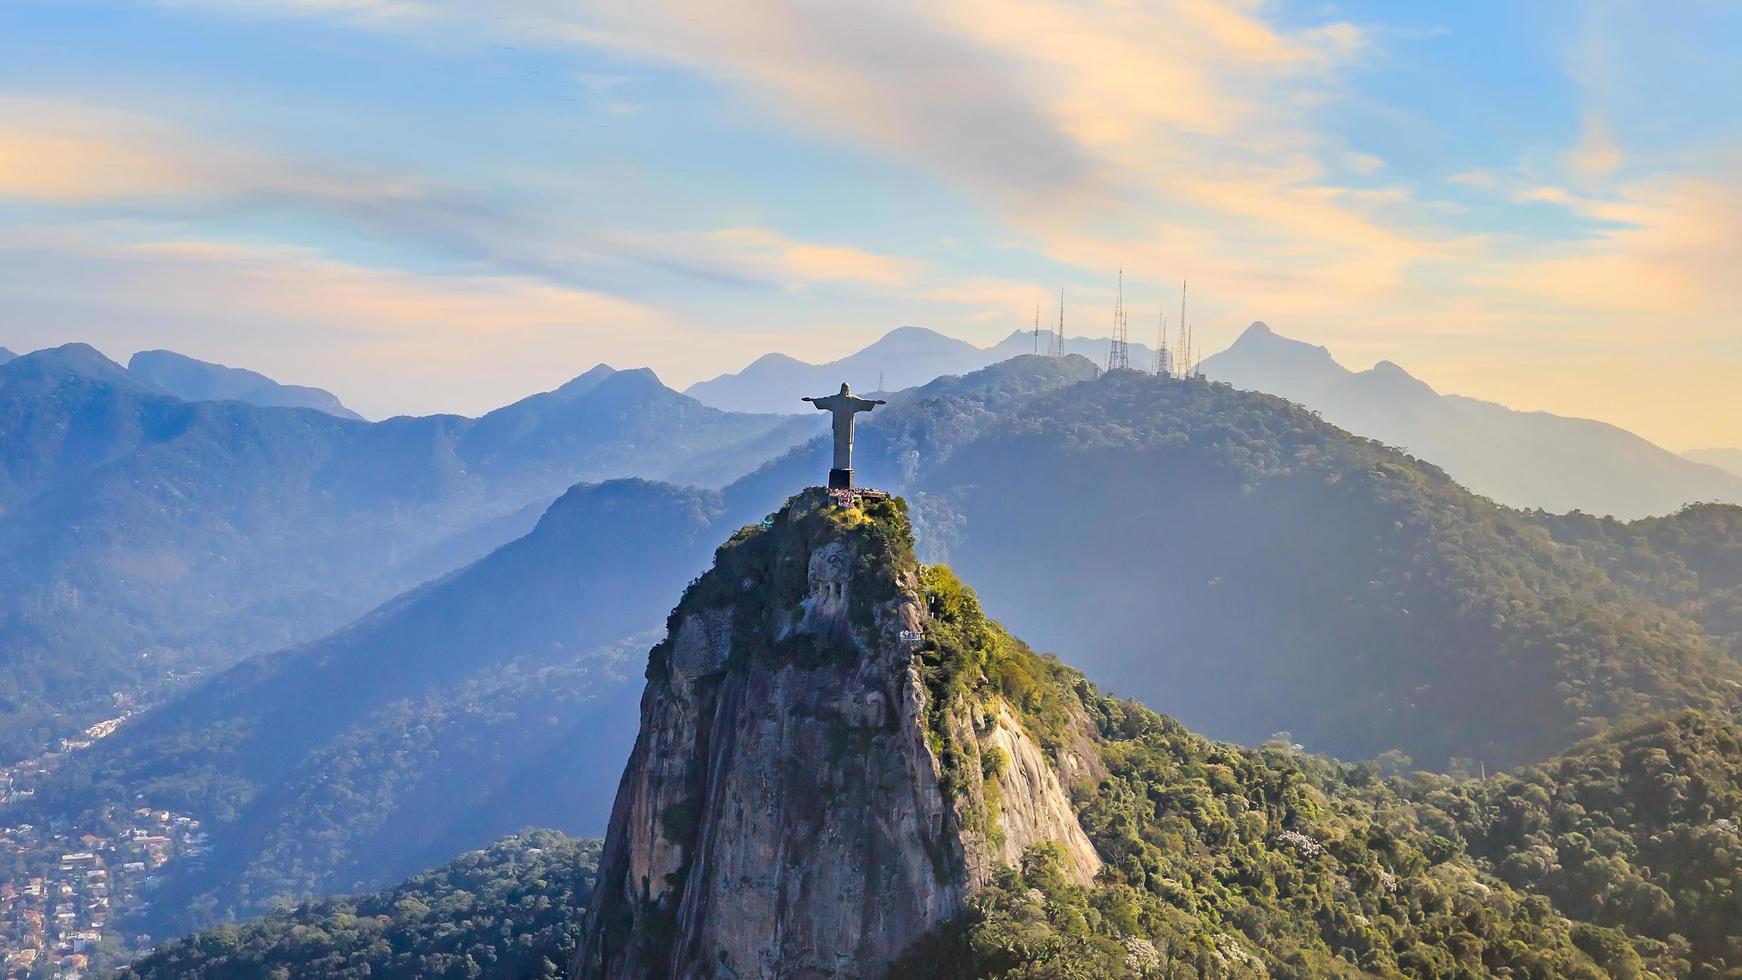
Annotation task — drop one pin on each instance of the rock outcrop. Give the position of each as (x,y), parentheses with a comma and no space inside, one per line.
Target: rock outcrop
(813,788)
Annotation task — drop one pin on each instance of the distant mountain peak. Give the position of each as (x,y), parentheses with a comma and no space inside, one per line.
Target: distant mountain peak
(775,358)
(6,355)
(584,382)
(1519,458)
(910,330)
(909,340)
(631,379)
(194,380)
(1265,360)
(72,360)
(1259,336)
(906,357)
(1394,380)
(78,355)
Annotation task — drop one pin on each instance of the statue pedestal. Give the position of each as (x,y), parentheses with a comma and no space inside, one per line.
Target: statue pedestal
(840,479)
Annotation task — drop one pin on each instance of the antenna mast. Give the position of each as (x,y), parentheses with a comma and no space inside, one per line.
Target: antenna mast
(1037,326)
(1124,336)
(1185,341)
(1162,368)
(1119,350)
(1058,339)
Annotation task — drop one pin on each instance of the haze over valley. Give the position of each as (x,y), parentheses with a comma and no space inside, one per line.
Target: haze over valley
(1190,490)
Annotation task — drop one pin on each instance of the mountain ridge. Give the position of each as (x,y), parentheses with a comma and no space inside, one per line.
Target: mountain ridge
(1019,475)
(1729,460)
(191,379)
(150,538)
(905,357)
(1531,459)
(448,681)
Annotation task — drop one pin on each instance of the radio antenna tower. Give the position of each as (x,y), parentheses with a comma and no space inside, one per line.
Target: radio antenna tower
(1118,350)
(1184,347)
(1161,365)
(1124,337)
(1037,326)
(1059,337)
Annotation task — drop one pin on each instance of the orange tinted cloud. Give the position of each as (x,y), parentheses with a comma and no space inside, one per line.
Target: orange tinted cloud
(797,262)
(68,153)
(1673,250)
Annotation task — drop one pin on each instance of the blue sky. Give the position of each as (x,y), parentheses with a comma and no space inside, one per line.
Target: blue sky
(444,204)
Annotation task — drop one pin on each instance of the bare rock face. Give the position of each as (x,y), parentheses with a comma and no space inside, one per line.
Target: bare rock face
(798,802)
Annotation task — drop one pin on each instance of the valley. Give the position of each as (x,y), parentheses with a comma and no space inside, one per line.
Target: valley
(307,772)
(1064,490)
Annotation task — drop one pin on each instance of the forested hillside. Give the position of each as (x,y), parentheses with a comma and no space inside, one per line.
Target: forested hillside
(490,700)
(1638,831)
(1689,561)
(144,538)
(1616,859)
(510,910)
(1225,555)
(495,698)
(1232,558)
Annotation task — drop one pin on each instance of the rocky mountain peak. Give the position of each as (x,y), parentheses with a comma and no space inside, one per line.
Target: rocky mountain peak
(825,771)
(1256,332)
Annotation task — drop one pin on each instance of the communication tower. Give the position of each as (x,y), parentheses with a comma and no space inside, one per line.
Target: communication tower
(1162,368)
(1119,349)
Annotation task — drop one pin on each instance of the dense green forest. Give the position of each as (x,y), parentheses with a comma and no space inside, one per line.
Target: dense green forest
(1236,561)
(513,909)
(1639,830)
(318,769)
(444,720)
(1226,556)
(1614,860)
(1689,561)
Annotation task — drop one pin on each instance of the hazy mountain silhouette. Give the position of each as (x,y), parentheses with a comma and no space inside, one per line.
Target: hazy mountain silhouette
(195,380)
(468,708)
(1230,558)
(6,355)
(903,358)
(146,536)
(1522,459)
(1224,555)
(488,697)
(1729,460)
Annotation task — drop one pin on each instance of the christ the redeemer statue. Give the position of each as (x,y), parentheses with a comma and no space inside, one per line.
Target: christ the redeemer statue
(844,405)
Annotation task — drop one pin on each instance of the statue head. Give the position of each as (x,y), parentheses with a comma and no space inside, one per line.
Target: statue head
(844,389)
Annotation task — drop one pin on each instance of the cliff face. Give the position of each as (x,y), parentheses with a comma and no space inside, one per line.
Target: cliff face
(809,792)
